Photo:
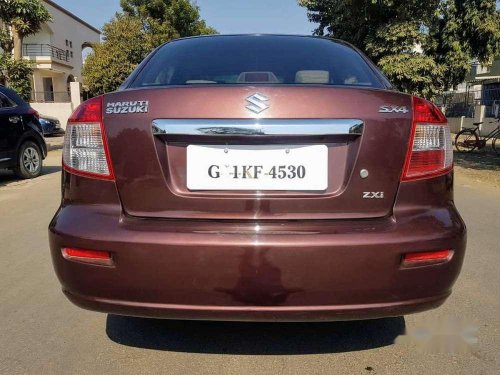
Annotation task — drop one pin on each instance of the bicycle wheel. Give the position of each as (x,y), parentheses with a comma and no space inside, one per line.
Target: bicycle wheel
(466,141)
(496,147)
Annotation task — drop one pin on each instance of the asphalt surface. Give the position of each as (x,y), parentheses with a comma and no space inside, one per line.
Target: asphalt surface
(42,333)
(54,142)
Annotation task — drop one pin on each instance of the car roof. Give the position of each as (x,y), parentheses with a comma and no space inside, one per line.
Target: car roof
(265,35)
(12,95)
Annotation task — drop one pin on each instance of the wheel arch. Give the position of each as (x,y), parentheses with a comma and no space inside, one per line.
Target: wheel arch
(35,138)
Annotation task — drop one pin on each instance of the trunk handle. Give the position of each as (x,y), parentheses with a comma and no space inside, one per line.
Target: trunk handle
(257,127)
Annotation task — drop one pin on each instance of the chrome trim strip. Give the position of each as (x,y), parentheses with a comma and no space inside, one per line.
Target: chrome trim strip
(4,159)
(258,127)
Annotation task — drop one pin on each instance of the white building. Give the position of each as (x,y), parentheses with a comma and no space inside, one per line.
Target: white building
(475,99)
(56,51)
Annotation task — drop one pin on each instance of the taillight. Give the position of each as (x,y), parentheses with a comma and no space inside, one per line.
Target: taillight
(33,112)
(85,150)
(429,152)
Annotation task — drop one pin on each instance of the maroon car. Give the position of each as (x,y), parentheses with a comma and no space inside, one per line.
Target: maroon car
(257,177)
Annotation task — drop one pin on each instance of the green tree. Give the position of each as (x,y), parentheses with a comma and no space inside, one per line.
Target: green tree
(131,35)
(123,48)
(181,17)
(23,17)
(16,74)
(424,47)
(20,18)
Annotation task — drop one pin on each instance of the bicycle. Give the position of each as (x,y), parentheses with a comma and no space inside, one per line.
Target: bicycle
(467,140)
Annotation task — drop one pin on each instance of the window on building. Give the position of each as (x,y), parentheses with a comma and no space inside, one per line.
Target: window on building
(71,54)
(66,42)
(70,44)
(48,89)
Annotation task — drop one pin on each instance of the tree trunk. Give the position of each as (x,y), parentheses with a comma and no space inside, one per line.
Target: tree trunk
(7,44)
(18,44)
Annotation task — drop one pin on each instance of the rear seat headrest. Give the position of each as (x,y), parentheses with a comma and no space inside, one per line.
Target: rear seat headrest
(257,77)
(312,76)
(198,81)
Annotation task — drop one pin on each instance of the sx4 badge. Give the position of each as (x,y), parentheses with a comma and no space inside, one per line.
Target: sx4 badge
(393,109)
(138,106)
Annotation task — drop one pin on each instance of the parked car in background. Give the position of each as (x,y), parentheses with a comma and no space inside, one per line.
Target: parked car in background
(50,126)
(22,146)
(257,177)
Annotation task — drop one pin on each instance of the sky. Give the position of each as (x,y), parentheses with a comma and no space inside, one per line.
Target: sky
(227,16)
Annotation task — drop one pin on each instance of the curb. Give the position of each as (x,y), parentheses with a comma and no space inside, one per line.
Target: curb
(55,142)
(54,147)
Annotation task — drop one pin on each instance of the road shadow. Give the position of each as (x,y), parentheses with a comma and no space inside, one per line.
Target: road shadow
(8,177)
(253,338)
(49,169)
(478,160)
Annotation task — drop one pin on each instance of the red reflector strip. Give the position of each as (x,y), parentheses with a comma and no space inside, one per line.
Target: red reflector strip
(428,257)
(88,256)
(96,254)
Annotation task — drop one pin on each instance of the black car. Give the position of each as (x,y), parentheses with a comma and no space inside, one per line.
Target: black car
(22,146)
(50,126)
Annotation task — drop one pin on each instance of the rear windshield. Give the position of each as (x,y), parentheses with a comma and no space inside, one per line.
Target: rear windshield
(230,60)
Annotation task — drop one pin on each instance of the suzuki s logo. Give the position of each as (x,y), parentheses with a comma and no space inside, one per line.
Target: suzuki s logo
(257,103)
(393,109)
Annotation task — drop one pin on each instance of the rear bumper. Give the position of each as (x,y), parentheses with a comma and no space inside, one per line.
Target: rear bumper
(281,271)
(257,313)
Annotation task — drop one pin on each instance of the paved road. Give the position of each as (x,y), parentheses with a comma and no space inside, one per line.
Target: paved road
(42,333)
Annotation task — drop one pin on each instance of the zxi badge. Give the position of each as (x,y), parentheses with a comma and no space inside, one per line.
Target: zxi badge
(257,103)
(373,195)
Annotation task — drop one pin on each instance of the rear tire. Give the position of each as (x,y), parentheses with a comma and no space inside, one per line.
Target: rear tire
(496,147)
(29,161)
(466,141)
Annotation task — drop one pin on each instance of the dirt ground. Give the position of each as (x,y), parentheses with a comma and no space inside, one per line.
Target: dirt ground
(482,166)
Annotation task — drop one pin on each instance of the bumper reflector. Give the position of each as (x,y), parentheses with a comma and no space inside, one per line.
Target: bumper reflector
(426,258)
(103,258)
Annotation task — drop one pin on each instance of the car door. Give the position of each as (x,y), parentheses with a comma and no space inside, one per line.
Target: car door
(10,129)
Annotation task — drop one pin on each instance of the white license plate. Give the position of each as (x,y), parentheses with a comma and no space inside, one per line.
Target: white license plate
(271,167)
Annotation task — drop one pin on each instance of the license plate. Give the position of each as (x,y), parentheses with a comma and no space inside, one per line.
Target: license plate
(271,167)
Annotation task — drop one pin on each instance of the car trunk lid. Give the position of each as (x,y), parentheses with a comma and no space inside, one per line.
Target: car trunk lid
(363,166)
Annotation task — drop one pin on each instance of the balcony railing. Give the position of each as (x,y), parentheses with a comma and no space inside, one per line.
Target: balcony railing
(45,50)
(50,97)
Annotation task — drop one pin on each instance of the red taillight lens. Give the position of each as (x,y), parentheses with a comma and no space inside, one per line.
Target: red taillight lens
(88,111)
(426,112)
(429,152)
(85,150)
(88,256)
(426,258)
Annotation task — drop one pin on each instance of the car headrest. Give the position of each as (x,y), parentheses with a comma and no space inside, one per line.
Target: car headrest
(312,76)
(257,77)
(198,82)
